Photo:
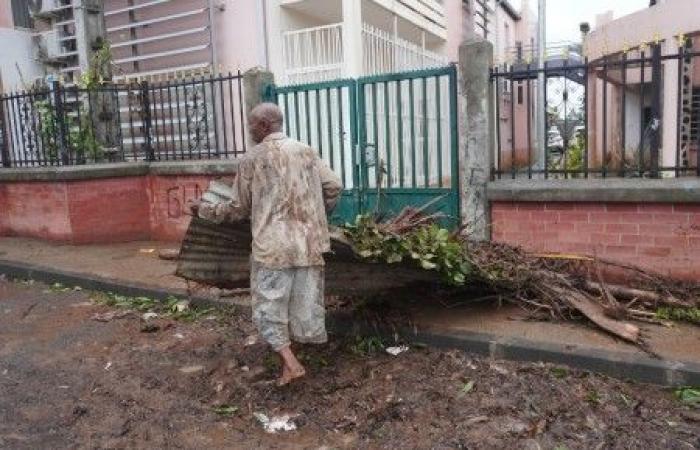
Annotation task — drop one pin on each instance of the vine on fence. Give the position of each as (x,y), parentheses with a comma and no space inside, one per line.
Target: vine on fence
(81,139)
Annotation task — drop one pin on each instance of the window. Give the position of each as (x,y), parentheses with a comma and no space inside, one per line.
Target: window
(21,15)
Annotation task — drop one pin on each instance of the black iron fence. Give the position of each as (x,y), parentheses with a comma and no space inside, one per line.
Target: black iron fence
(197,118)
(632,114)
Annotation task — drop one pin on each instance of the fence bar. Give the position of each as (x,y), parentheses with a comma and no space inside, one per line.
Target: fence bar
(528,104)
(546,138)
(388,132)
(60,121)
(179,121)
(37,160)
(679,97)
(206,116)
(438,122)
(585,119)
(413,133)
(375,142)
(512,125)
(296,115)
(329,111)
(655,109)
(341,130)
(642,125)
(605,116)
(4,143)
(498,121)
(399,131)
(146,119)
(308,117)
(426,134)
(319,126)
(239,77)
(217,150)
(623,111)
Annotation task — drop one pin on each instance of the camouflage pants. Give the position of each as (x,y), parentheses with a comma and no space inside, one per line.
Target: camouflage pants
(288,303)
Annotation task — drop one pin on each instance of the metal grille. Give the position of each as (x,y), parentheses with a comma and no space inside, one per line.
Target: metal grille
(194,118)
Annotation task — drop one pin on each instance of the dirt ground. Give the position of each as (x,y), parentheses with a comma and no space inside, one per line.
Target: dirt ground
(70,381)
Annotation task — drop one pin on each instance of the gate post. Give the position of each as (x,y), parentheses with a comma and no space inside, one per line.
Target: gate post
(476,127)
(257,88)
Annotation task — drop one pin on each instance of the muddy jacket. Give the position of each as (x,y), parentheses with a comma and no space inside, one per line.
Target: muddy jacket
(285,189)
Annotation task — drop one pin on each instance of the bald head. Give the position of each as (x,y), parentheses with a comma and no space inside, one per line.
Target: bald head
(264,119)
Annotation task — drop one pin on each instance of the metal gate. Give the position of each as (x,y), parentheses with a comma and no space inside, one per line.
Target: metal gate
(391,138)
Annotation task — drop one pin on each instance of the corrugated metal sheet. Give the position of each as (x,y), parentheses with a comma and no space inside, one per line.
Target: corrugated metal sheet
(219,255)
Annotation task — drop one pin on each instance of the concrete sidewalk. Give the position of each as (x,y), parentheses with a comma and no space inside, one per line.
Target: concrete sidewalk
(501,332)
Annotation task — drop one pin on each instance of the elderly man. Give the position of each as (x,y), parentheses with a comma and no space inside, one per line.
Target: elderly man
(286,190)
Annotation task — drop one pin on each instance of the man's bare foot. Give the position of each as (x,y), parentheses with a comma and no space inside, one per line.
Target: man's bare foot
(291,367)
(289,375)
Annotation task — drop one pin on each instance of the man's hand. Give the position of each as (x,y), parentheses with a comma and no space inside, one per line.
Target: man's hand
(194,206)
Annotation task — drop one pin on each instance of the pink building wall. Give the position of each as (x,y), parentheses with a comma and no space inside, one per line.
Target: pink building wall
(662,23)
(6,14)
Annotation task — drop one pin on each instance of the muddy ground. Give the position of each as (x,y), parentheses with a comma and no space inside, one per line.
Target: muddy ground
(70,381)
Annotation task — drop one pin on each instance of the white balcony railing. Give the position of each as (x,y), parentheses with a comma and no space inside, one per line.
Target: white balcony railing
(385,53)
(316,54)
(313,54)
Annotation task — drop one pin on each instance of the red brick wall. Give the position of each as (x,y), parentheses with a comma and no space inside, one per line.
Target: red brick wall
(100,210)
(37,209)
(662,237)
(108,210)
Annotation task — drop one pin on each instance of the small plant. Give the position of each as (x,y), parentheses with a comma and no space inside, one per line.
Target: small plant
(691,315)
(225,410)
(559,372)
(365,346)
(593,397)
(690,395)
(466,388)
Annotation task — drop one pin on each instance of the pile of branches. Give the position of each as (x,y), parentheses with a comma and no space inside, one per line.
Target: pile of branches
(551,285)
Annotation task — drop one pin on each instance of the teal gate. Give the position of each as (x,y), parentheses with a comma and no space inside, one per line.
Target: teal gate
(391,138)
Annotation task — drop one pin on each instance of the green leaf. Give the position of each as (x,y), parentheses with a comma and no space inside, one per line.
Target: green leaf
(427,265)
(225,410)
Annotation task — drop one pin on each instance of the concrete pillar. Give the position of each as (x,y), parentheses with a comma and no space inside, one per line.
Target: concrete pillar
(257,88)
(90,30)
(352,38)
(669,115)
(90,33)
(476,135)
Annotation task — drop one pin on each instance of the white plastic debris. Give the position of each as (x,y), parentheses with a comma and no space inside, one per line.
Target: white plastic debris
(179,336)
(181,306)
(191,369)
(251,340)
(276,423)
(395,351)
(108,365)
(149,315)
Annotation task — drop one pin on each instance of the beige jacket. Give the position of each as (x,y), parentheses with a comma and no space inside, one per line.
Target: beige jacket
(285,189)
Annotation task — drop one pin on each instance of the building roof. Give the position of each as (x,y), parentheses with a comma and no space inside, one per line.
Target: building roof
(509,9)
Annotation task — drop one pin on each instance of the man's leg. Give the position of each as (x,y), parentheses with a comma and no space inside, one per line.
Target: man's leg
(307,313)
(271,290)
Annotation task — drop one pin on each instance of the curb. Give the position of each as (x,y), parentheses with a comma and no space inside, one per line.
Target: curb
(615,364)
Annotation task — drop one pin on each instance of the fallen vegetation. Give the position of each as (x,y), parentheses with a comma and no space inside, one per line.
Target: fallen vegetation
(548,286)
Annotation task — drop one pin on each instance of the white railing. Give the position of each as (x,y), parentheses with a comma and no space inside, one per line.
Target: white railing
(313,54)
(316,54)
(385,53)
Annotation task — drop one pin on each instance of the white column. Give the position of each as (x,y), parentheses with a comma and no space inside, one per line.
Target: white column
(352,38)
(669,116)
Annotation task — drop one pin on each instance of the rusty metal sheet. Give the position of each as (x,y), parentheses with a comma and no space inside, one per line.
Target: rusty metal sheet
(219,255)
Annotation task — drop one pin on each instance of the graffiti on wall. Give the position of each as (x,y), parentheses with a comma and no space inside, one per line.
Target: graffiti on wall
(178,198)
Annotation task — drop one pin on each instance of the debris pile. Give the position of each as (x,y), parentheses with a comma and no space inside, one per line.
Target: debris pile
(414,250)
